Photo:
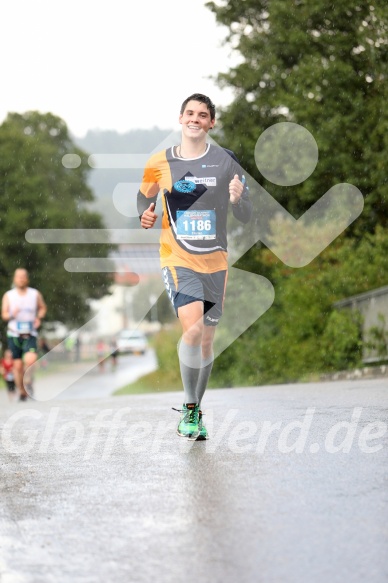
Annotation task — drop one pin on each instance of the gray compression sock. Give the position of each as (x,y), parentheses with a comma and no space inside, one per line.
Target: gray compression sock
(203,377)
(190,363)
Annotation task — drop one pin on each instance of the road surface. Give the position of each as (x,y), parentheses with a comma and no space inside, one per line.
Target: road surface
(292,487)
(86,381)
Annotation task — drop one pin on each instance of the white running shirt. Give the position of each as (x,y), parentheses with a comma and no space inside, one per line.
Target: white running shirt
(25,306)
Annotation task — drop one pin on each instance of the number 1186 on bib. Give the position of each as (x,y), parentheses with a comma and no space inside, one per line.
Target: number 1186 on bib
(196,224)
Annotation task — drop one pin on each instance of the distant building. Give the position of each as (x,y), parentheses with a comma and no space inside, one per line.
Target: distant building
(142,259)
(133,263)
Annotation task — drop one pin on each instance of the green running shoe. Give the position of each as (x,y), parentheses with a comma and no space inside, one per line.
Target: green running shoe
(203,434)
(188,425)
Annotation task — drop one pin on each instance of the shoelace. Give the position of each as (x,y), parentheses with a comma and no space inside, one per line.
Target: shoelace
(190,414)
(182,411)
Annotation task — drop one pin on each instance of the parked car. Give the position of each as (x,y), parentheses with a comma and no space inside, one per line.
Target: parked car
(132,341)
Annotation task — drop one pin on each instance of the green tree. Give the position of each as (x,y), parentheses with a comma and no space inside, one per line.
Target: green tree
(302,333)
(37,191)
(321,64)
(341,343)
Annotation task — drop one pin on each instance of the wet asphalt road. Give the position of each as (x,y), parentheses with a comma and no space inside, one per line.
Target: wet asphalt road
(292,487)
(85,380)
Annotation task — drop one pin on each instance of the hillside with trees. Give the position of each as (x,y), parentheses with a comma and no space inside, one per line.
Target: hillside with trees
(104,181)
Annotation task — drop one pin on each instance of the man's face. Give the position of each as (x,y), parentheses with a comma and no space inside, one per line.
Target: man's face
(20,278)
(195,119)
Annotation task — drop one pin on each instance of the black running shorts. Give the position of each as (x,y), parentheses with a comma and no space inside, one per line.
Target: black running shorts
(19,345)
(185,286)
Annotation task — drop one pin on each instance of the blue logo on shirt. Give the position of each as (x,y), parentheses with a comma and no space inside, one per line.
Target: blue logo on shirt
(184,186)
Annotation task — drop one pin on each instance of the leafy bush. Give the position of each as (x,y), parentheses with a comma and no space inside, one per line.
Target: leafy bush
(342,340)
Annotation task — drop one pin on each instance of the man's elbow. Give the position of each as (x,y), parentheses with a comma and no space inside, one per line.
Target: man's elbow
(244,215)
(244,219)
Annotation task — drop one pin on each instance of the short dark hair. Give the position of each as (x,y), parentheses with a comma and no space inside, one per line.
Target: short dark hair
(202,99)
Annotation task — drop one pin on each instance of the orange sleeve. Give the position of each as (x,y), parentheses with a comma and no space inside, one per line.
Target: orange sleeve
(152,174)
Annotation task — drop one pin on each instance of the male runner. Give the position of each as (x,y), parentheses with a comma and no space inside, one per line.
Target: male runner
(23,308)
(197,181)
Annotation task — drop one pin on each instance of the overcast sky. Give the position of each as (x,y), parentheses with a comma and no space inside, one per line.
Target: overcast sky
(117,64)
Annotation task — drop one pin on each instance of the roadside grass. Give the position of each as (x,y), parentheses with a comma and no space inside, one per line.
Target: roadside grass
(167,376)
(153,382)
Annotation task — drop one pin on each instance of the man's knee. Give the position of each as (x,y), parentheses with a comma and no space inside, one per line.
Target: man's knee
(30,358)
(207,349)
(193,335)
(208,341)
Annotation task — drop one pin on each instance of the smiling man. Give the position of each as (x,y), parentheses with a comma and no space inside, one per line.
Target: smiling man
(198,182)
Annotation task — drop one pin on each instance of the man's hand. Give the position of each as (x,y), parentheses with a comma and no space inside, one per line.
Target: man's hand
(148,218)
(5,313)
(236,188)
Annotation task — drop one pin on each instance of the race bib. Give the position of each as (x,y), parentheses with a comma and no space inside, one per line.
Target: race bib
(24,327)
(200,225)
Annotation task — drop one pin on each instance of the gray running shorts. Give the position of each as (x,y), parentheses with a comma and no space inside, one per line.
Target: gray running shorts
(185,286)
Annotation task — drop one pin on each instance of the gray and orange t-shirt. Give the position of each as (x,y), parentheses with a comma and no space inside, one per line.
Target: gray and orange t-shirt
(195,201)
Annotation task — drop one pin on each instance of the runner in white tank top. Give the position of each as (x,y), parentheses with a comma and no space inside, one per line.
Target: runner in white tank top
(23,308)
